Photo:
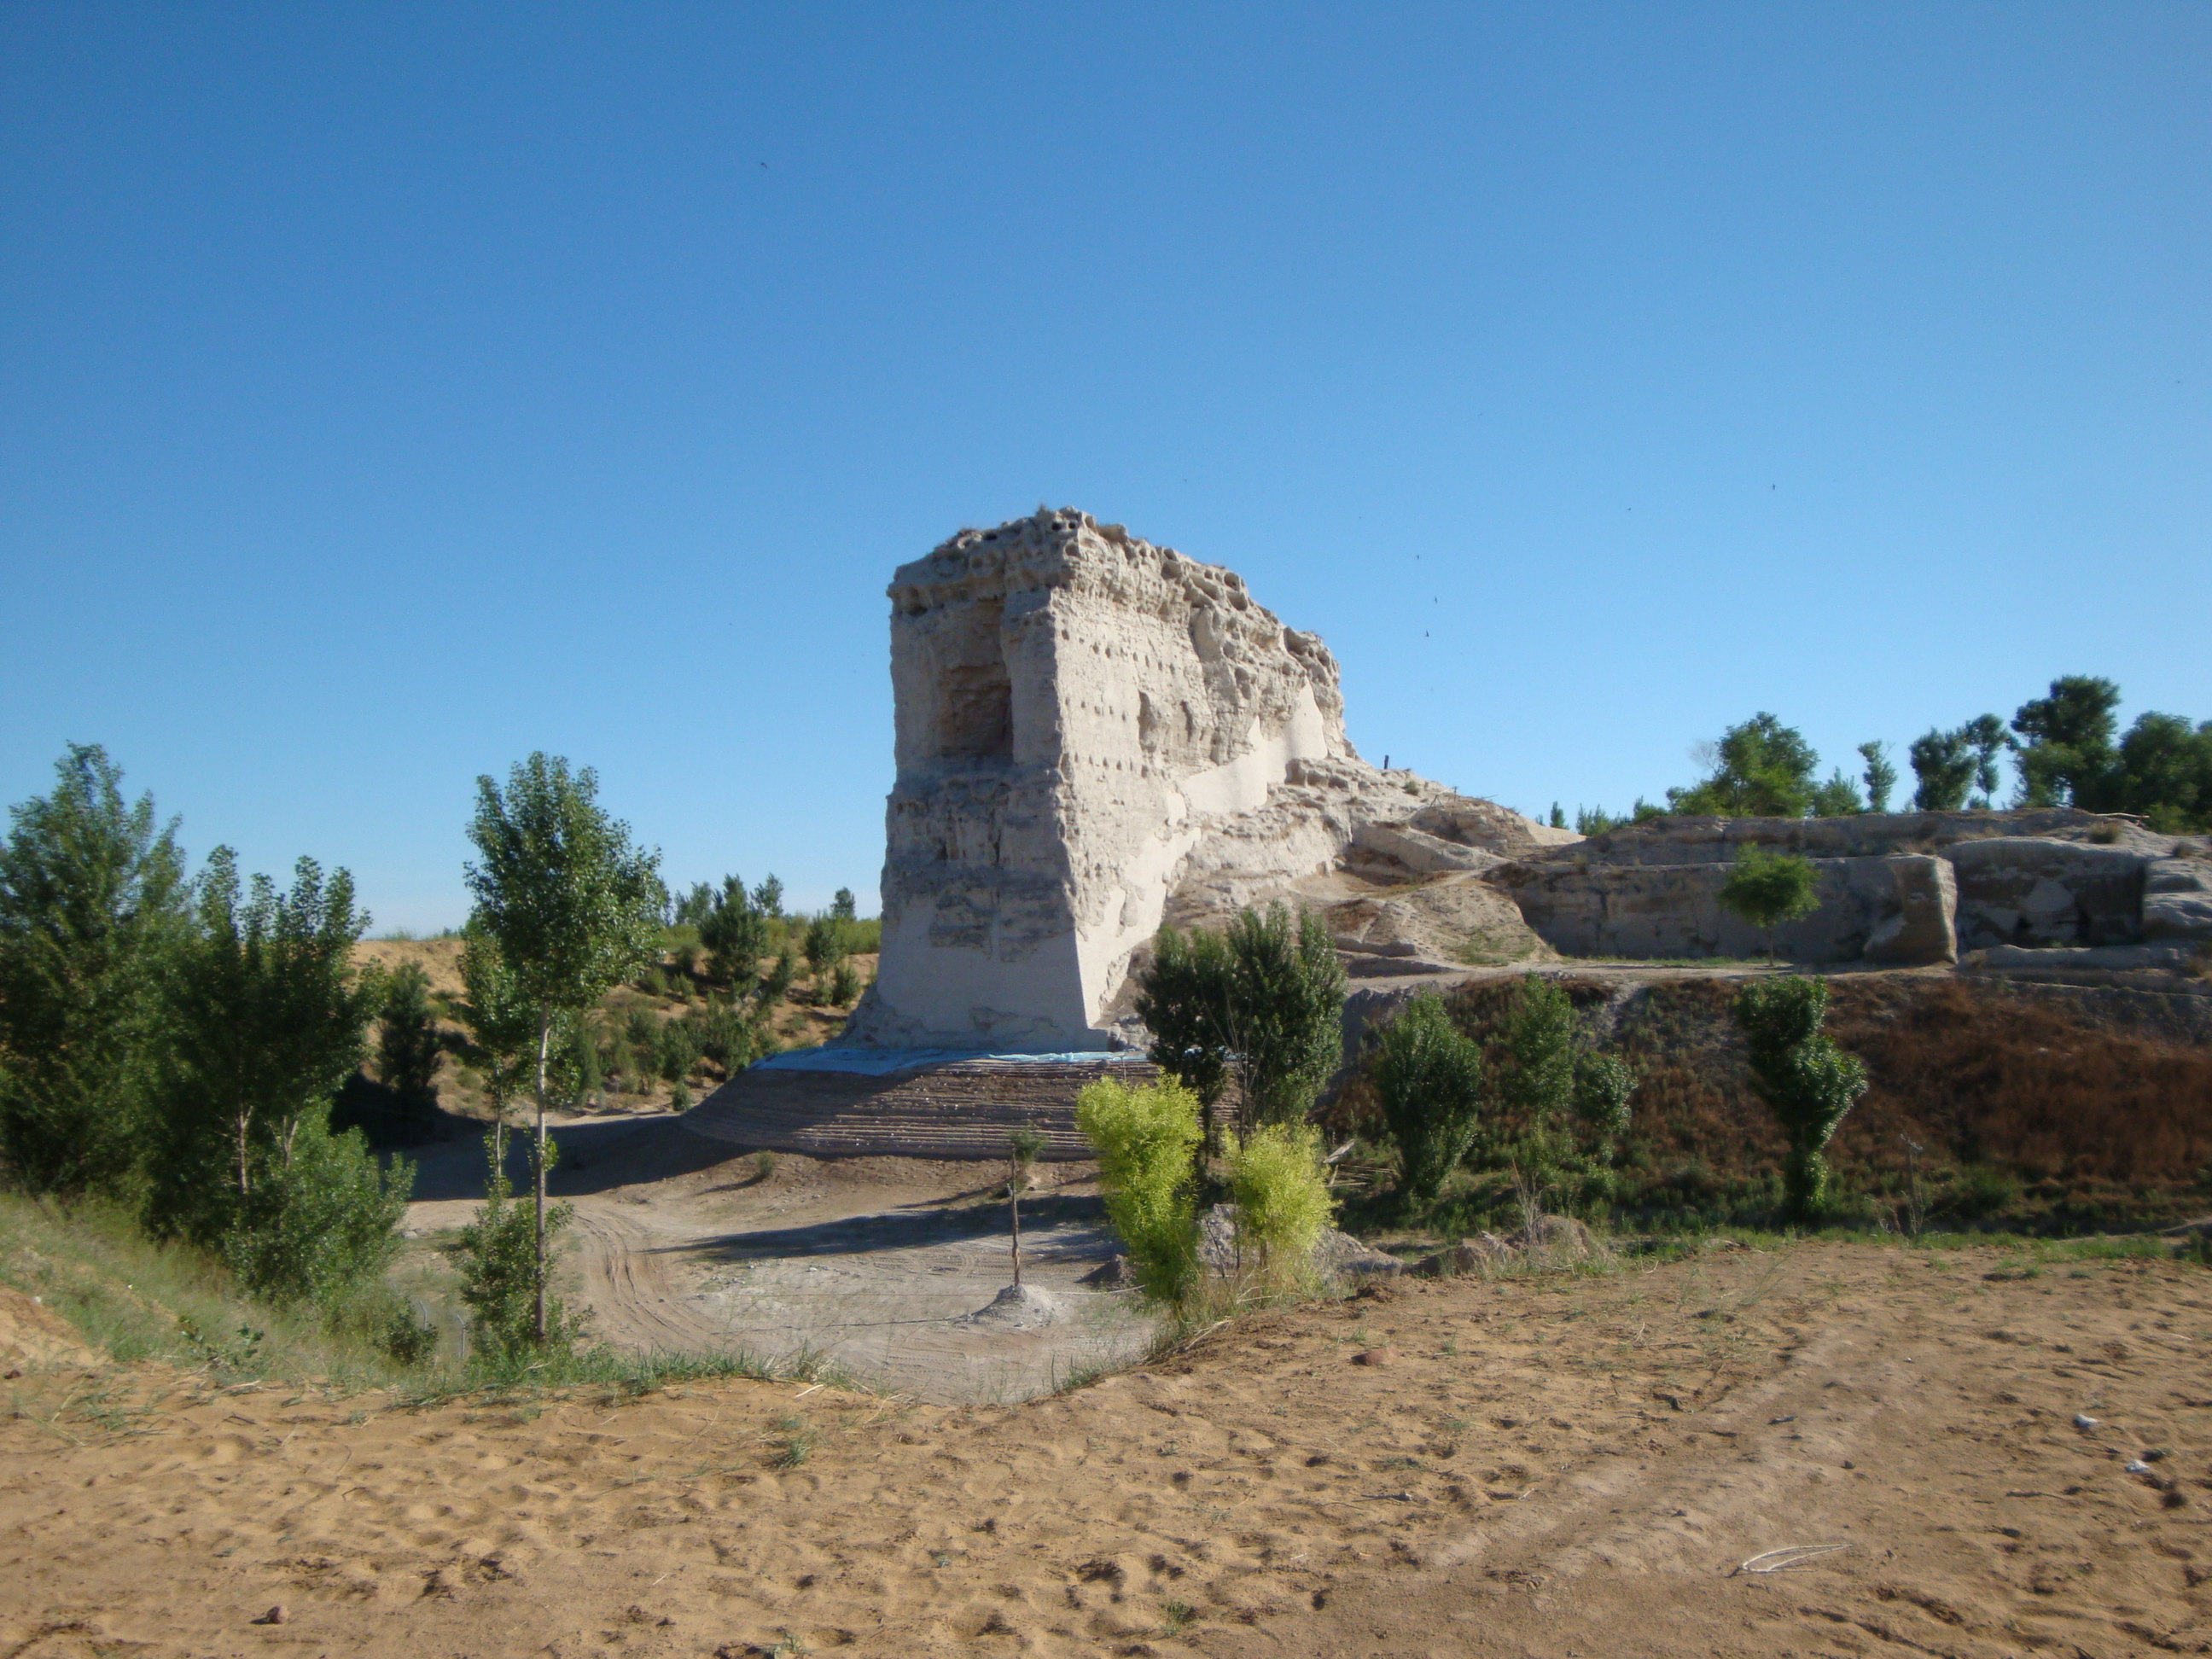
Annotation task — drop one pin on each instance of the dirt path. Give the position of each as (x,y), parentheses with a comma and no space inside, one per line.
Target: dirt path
(1568,1466)
(880,1267)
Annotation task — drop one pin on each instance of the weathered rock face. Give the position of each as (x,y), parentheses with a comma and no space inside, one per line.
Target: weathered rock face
(2040,879)
(2177,905)
(1086,723)
(2014,889)
(1896,910)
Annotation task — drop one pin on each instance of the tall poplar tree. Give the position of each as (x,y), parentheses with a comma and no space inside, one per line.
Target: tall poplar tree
(573,907)
(92,901)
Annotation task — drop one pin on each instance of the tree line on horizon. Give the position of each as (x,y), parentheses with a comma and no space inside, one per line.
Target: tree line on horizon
(2066,748)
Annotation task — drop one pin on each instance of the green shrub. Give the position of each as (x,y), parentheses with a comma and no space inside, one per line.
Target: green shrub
(1429,1078)
(844,986)
(1604,1084)
(1143,1138)
(1981,1191)
(1807,1082)
(321,1220)
(1281,1193)
(497,1256)
(678,1048)
(776,984)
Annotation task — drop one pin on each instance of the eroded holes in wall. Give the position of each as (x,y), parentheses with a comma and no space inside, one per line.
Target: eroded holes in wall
(974,694)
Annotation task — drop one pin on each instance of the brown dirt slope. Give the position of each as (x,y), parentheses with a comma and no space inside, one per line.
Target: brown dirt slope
(1554,1466)
(2095,1126)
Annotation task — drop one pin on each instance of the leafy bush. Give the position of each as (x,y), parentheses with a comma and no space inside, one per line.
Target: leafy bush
(844,986)
(1281,1194)
(1429,1078)
(1143,1138)
(1604,1086)
(678,1048)
(1807,1082)
(321,1222)
(825,949)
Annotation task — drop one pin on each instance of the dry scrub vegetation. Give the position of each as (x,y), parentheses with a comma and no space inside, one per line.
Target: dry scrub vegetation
(2026,1115)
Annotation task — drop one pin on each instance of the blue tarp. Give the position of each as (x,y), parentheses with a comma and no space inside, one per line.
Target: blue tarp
(879,1062)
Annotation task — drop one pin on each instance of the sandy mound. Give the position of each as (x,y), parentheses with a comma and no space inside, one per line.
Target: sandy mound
(32,1334)
(1020,1307)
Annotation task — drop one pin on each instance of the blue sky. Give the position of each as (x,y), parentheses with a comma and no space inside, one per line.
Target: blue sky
(389,390)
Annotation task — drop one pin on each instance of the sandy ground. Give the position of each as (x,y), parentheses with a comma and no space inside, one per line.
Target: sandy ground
(1535,1466)
(883,1267)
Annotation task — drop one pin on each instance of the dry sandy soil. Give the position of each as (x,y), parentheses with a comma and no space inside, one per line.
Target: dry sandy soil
(1543,1465)
(885,1267)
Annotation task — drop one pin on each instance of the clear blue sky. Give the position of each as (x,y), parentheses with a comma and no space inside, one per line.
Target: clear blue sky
(388,390)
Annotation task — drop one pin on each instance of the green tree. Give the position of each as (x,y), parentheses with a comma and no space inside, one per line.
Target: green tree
(499,1257)
(573,909)
(2165,774)
(1539,1039)
(407,1046)
(825,949)
(1838,798)
(1287,999)
(1768,888)
(735,932)
(1024,1147)
(2068,755)
(1761,769)
(776,984)
(1880,774)
(267,1019)
(1143,1138)
(1183,997)
(92,902)
(1986,736)
(1944,764)
(1261,1005)
(503,1025)
(322,1221)
(842,906)
(768,898)
(1807,1082)
(1429,1076)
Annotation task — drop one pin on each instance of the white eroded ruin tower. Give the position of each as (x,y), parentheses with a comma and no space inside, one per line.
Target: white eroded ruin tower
(1077,711)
